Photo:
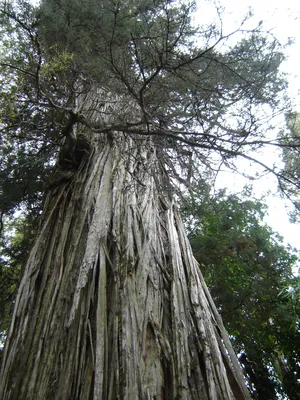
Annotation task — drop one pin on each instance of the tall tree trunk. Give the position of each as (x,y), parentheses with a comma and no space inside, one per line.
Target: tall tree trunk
(112,304)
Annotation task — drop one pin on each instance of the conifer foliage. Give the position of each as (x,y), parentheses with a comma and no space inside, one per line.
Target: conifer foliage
(109,104)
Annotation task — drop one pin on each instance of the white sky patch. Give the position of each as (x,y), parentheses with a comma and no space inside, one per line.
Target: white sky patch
(281,18)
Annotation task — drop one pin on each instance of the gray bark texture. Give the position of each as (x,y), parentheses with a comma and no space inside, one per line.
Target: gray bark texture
(112,304)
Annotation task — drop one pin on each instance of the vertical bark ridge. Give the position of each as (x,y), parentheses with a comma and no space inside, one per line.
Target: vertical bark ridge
(112,304)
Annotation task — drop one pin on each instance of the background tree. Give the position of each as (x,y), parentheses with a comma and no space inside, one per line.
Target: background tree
(291,168)
(27,149)
(112,304)
(248,270)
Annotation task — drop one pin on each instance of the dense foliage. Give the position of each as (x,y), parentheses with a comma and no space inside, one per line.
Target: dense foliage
(291,170)
(249,273)
(204,97)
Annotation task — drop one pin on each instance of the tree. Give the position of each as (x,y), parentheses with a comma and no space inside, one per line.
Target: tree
(291,168)
(249,270)
(112,303)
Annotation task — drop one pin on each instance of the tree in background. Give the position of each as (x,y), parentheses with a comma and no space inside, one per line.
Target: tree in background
(291,171)
(131,98)
(248,270)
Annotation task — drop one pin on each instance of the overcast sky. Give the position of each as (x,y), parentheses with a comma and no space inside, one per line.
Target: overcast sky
(283,18)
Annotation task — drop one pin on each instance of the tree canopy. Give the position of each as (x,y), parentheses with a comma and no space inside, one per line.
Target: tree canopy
(205,97)
(187,85)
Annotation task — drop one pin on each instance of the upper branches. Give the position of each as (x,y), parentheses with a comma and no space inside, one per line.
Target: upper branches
(152,72)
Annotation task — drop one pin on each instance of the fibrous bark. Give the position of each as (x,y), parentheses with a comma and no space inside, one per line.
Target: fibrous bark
(112,304)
